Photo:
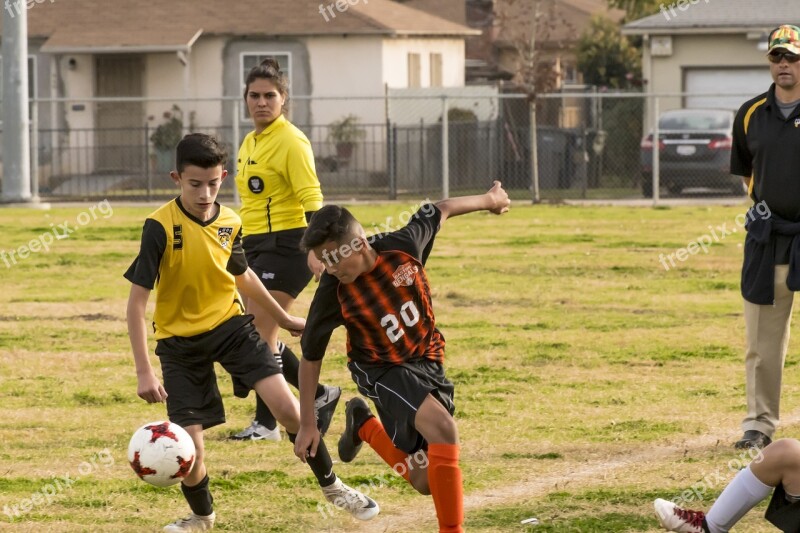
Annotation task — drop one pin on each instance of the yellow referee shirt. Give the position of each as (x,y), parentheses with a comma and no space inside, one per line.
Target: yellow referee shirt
(276,179)
(192,265)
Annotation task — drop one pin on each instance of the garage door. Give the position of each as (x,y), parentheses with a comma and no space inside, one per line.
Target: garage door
(740,83)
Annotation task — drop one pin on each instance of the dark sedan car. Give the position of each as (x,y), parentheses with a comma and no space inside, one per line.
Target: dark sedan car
(695,151)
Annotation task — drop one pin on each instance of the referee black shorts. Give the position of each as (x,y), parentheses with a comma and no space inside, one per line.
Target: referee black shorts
(187,366)
(398,392)
(277,260)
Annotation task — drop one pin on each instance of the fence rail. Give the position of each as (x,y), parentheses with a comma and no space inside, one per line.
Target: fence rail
(588,145)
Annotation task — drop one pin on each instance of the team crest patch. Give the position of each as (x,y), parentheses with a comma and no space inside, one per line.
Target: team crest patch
(255,184)
(225,235)
(797,123)
(404,275)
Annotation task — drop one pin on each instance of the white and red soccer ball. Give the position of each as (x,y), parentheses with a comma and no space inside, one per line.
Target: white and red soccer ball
(161,453)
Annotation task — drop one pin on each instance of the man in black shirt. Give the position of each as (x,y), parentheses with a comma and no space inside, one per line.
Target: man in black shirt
(766,153)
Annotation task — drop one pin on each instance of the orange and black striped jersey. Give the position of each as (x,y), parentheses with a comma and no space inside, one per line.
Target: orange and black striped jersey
(387,312)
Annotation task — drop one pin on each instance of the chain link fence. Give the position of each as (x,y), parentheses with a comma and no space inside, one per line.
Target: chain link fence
(587,145)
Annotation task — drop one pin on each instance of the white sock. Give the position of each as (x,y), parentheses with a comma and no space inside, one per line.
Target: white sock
(741,495)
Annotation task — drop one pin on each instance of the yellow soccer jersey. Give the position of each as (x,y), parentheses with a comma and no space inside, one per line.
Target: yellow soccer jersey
(277,181)
(192,265)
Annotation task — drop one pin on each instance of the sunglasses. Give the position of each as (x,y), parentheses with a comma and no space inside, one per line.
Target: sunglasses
(777,57)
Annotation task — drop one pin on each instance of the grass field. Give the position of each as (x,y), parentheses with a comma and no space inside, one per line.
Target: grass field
(589,379)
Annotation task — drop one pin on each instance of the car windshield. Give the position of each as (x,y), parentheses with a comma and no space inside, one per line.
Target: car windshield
(699,120)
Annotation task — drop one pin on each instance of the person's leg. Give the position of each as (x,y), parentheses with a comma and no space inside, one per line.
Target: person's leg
(778,463)
(439,429)
(276,394)
(268,329)
(289,362)
(195,489)
(767,328)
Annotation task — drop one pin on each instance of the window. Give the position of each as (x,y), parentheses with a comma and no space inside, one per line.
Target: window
(569,74)
(436,70)
(252,59)
(414,70)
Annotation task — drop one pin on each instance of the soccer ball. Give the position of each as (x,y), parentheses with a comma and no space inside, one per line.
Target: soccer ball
(161,453)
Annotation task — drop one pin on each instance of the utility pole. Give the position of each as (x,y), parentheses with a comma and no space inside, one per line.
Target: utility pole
(16,120)
(532,102)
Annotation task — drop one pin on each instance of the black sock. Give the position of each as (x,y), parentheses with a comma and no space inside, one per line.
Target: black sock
(264,415)
(199,498)
(321,465)
(291,368)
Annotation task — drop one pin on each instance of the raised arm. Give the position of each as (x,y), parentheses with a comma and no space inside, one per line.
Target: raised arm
(495,200)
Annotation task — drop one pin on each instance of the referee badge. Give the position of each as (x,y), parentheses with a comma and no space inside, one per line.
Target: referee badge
(225,235)
(255,184)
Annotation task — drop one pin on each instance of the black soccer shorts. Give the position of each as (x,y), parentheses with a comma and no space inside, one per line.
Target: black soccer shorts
(277,260)
(398,392)
(187,366)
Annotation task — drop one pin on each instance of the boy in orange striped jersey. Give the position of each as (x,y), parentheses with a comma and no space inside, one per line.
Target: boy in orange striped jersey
(378,289)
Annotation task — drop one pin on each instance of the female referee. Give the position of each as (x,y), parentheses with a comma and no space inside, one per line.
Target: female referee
(279,189)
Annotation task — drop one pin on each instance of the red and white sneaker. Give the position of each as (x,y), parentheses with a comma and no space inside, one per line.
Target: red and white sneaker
(674,518)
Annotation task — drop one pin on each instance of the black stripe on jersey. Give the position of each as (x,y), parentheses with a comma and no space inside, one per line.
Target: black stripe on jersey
(177,237)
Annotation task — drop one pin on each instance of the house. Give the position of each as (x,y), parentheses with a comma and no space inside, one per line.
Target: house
(196,53)
(507,27)
(701,46)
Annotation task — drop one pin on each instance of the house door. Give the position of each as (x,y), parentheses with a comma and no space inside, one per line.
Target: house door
(119,140)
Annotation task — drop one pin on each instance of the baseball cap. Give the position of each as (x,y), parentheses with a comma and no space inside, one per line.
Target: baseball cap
(786,37)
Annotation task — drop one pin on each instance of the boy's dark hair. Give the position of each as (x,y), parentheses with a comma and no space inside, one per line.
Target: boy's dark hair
(200,150)
(268,69)
(331,223)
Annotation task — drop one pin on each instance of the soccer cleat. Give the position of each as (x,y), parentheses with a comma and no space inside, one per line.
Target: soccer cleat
(674,518)
(350,500)
(325,406)
(192,522)
(256,431)
(356,413)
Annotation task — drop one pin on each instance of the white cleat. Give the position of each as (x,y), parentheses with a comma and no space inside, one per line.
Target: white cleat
(674,518)
(349,499)
(191,523)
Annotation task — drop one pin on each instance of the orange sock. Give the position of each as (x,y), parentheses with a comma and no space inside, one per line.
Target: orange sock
(444,479)
(372,433)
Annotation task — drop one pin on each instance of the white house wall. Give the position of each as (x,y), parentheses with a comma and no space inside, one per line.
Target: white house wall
(342,70)
(79,115)
(206,80)
(395,57)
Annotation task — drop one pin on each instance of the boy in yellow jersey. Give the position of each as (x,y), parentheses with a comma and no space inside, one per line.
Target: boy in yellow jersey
(191,250)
